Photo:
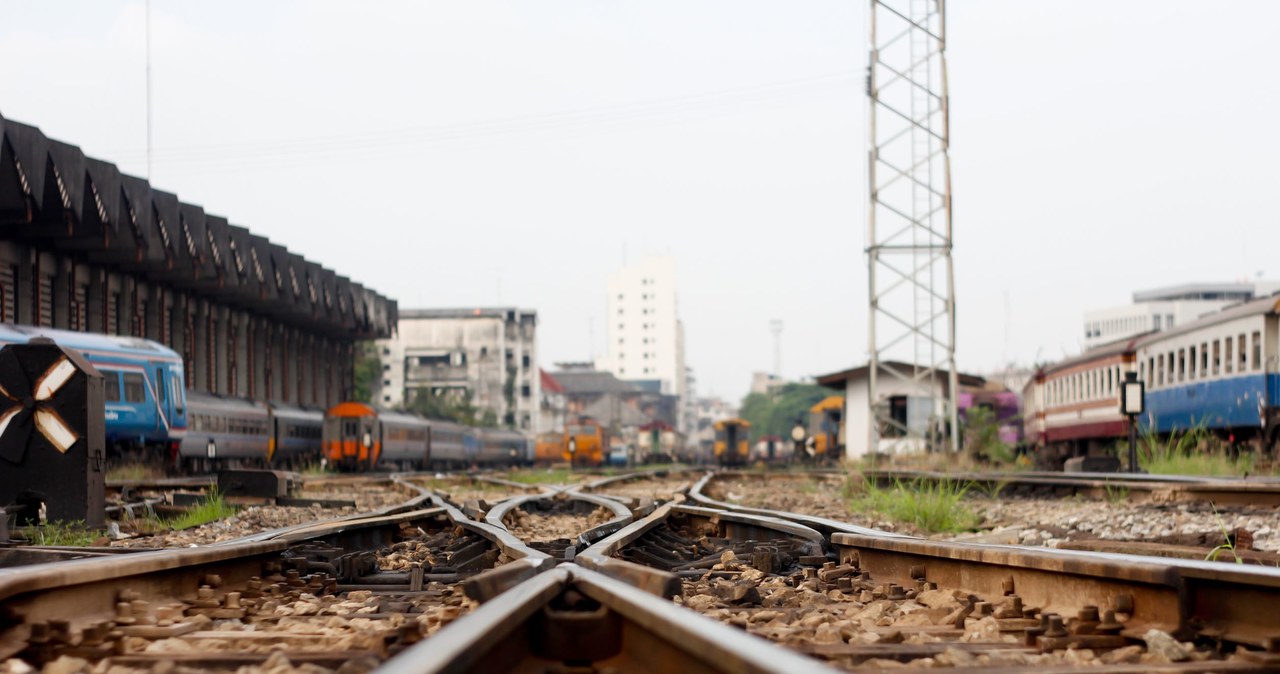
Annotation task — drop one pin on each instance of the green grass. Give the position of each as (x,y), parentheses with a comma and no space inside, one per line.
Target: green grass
(543,476)
(1116,494)
(134,472)
(1227,544)
(931,506)
(62,534)
(1194,451)
(212,509)
(317,469)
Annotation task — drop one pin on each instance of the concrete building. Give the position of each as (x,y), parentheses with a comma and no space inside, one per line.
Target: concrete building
(552,410)
(646,338)
(85,247)
(707,412)
(486,356)
(765,382)
(905,405)
(1163,308)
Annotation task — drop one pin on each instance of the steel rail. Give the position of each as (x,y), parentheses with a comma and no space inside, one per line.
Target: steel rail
(574,615)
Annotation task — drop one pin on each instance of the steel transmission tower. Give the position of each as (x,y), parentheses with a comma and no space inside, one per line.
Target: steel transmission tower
(911,284)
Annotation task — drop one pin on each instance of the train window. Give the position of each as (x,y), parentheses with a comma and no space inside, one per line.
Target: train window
(1204,360)
(175,388)
(135,388)
(1217,356)
(161,390)
(1182,364)
(1257,351)
(1227,361)
(1191,366)
(111,385)
(1242,357)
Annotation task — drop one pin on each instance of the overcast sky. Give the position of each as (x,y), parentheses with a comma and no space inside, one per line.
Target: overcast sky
(482,153)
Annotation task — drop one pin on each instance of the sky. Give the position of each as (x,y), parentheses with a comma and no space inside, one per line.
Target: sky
(475,153)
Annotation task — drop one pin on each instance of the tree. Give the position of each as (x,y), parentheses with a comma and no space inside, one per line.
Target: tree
(776,413)
(367,370)
(448,407)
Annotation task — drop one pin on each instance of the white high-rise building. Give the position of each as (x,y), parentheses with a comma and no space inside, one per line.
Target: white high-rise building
(646,338)
(1164,308)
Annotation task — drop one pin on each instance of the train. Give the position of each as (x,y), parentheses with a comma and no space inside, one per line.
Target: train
(586,443)
(225,431)
(143,387)
(1218,373)
(733,442)
(825,441)
(358,438)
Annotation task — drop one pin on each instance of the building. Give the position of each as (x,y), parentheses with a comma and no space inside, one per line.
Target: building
(485,356)
(707,412)
(1163,308)
(552,408)
(765,383)
(920,414)
(646,338)
(88,248)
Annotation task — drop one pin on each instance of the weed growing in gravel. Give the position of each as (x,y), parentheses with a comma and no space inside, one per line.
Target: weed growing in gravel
(134,472)
(933,506)
(1227,544)
(72,534)
(1116,494)
(211,509)
(317,469)
(1194,451)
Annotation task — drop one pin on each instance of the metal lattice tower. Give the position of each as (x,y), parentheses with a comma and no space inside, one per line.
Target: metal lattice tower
(911,283)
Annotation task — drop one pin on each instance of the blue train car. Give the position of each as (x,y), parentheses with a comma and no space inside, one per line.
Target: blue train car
(1218,372)
(499,446)
(146,399)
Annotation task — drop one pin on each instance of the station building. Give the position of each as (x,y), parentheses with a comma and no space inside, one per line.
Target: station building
(904,402)
(85,247)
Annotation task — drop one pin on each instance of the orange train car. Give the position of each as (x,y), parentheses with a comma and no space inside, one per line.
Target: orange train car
(352,437)
(733,442)
(585,443)
(826,429)
(548,448)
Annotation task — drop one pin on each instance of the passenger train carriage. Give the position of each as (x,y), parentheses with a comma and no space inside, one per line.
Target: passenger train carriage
(226,431)
(1218,372)
(1072,408)
(359,437)
(146,404)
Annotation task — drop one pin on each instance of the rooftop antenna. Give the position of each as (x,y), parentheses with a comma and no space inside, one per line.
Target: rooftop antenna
(775,326)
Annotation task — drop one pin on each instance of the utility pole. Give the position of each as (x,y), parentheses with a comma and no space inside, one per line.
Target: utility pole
(912,320)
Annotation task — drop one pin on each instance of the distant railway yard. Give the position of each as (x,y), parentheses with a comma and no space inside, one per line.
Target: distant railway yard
(543,569)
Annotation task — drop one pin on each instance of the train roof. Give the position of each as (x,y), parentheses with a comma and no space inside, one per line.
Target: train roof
(1117,348)
(1259,307)
(719,425)
(89,341)
(500,432)
(351,409)
(402,418)
(198,400)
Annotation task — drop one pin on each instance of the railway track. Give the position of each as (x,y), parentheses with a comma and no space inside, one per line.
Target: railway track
(619,577)
(1252,491)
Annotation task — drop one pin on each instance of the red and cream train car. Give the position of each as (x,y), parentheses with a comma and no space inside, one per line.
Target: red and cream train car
(1072,408)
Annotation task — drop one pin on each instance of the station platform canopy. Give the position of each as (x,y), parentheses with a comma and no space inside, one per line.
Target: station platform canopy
(55,197)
